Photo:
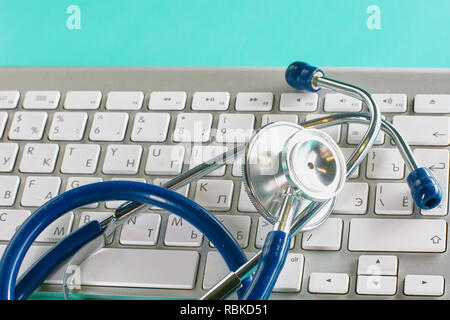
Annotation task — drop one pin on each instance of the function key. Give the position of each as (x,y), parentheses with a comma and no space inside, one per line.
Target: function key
(78,100)
(41,100)
(9,99)
(391,102)
(436,103)
(303,102)
(210,101)
(124,100)
(167,100)
(337,102)
(254,101)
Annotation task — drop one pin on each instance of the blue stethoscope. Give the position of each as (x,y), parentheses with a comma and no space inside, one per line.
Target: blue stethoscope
(291,173)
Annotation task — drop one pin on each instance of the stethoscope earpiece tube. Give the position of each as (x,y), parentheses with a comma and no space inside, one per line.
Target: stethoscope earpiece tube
(300,75)
(425,189)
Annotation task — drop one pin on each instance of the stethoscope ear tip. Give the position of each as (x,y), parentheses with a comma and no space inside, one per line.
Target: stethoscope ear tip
(425,189)
(299,75)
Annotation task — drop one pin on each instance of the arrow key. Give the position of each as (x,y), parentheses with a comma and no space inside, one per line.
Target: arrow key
(377,265)
(376,285)
(331,283)
(424,285)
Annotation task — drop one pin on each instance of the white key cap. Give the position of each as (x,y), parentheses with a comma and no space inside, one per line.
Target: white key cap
(88,216)
(82,100)
(352,199)
(237,166)
(254,101)
(39,158)
(116,204)
(300,102)
(397,235)
(235,128)
(181,233)
(424,130)
(215,270)
(239,227)
(337,102)
(109,126)
(347,153)
(170,269)
(334,131)
(28,125)
(8,154)
(10,221)
(163,160)
(80,158)
(432,103)
(9,99)
(264,227)
(124,100)
(41,99)
(438,162)
(391,102)
(203,154)
(183,191)
(75,182)
(244,204)
(268,118)
(39,189)
(150,127)
(424,285)
(331,283)
(326,237)
(376,285)
(356,132)
(68,126)
(3,119)
(193,127)
(8,190)
(377,265)
(57,230)
(122,159)
(385,164)
(393,199)
(141,230)
(214,195)
(290,278)
(210,101)
(167,100)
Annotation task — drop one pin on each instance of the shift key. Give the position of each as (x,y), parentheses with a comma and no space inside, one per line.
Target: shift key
(397,235)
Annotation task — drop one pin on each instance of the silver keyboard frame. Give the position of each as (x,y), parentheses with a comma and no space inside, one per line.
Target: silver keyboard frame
(233,80)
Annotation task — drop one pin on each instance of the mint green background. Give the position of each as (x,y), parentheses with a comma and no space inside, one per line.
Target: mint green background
(415,33)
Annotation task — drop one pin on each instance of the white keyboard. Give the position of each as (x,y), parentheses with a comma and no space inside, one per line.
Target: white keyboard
(61,128)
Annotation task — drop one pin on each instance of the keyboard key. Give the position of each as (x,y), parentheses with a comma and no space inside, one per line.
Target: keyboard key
(385,164)
(424,130)
(334,132)
(3,119)
(8,154)
(75,182)
(244,204)
(169,269)
(82,100)
(215,270)
(235,128)
(80,158)
(39,189)
(254,101)
(239,227)
(9,99)
(124,100)
(39,158)
(167,100)
(290,278)
(203,154)
(391,102)
(438,162)
(193,127)
(432,103)
(376,285)
(88,216)
(424,285)
(377,265)
(264,227)
(393,199)
(41,99)
(299,102)
(330,283)
(122,159)
(68,126)
(141,230)
(337,102)
(347,152)
(10,221)
(214,195)
(57,230)
(28,125)
(326,237)
(8,190)
(117,203)
(397,235)
(181,233)
(356,132)
(210,101)
(109,126)
(183,191)
(352,199)
(150,127)
(268,118)
(164,160)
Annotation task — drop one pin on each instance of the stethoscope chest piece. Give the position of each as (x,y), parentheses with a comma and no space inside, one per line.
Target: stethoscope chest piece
(283,157)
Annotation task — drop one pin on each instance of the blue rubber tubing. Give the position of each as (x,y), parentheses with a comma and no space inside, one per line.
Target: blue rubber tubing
(271,262)
(153,195)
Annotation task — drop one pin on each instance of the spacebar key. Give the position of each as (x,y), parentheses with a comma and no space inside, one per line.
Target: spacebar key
(171,269)
(397,235)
